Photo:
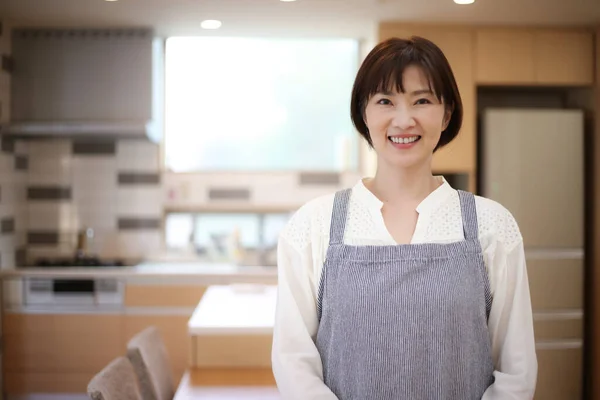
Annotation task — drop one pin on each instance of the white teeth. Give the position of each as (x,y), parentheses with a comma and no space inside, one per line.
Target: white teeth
(404,140)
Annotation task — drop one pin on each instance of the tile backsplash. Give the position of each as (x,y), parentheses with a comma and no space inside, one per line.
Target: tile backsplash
(13,212)
(12,177)
(111,186)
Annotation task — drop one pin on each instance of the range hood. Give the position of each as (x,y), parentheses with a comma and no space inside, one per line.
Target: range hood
(86,82)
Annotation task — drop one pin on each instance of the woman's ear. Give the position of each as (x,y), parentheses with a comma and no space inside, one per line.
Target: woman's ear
(447,117)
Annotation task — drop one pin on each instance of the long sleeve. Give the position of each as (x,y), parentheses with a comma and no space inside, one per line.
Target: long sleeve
(511,326)
(296,362)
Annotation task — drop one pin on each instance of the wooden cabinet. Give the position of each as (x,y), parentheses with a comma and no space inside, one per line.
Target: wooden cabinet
(61,353)
(156,295)
(504,56)
(559,373)
(168,307)
(173,331)
(58,352)
(594,248)
(457,45)
(519,56)
(564,57)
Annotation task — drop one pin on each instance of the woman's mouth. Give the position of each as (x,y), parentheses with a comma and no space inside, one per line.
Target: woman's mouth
(404,142)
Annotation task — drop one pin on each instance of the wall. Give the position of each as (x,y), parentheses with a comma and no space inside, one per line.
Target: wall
(12,207)
(113,187)
(12,174)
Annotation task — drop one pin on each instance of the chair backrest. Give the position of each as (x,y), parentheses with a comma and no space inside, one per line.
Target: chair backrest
(117,381)
(148,355)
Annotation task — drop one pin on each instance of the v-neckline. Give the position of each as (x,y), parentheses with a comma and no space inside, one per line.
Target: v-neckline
(423,209)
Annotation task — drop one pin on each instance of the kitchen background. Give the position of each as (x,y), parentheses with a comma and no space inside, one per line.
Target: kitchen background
(123,134)
(128,187)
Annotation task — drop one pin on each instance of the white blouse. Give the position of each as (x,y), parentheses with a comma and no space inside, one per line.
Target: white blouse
(301,254)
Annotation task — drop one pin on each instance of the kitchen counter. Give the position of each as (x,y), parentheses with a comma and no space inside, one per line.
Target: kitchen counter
(232,328)
(95,327)
(164,272)
(235,310)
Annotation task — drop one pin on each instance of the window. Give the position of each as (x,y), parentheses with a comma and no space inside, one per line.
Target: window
(260,104)
(210,235)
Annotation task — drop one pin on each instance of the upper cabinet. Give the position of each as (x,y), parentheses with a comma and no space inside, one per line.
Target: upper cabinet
(504,56)
(564,57)
(457,45)
(516,56)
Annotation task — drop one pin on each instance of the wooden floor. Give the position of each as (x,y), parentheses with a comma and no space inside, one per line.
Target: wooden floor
(228,384)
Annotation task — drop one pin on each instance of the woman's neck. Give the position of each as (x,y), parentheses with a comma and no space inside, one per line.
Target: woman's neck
(393,185)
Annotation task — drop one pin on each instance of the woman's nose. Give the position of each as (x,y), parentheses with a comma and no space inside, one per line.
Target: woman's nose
(403,118)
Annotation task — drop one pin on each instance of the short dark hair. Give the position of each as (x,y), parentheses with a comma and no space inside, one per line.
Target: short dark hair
(384,66)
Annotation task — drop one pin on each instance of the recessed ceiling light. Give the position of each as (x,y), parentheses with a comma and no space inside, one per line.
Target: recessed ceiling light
(211,24)
(287,1)
(464,1)
(110,0)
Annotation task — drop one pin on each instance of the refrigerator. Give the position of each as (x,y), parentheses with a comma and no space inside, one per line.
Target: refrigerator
(532,162)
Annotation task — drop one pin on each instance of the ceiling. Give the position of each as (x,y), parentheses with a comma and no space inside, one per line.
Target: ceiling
(349,18)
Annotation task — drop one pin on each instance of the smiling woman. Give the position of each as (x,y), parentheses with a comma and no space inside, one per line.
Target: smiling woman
(259,104)
(402,287)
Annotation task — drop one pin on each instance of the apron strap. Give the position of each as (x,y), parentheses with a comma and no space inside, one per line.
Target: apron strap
(469,214)
(471,231)
(338,216)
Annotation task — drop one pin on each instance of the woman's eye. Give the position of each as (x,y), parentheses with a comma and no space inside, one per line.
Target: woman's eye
(384,102)
(423,101)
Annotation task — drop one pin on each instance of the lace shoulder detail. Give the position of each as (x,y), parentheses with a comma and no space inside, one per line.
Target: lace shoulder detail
(360,225)
(312,218)
(495,220)
(446,221)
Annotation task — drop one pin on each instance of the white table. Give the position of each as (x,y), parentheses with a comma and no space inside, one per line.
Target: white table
(235,310)
(231,332)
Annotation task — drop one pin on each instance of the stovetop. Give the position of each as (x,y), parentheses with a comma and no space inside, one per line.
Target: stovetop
(79,262)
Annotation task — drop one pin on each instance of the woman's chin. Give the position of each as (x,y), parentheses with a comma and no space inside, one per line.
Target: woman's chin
(407,161)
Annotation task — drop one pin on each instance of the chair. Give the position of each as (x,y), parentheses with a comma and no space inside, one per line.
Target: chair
(150,360)
(117,381)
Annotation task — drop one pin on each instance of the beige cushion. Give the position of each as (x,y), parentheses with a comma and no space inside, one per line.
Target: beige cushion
(117,381)
(149,357)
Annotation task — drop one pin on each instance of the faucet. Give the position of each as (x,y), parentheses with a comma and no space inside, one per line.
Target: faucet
(83,238)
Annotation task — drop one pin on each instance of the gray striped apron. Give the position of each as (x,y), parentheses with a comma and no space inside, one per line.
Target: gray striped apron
(405,321)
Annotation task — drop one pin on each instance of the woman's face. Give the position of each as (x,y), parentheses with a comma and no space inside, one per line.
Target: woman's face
(405,127)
